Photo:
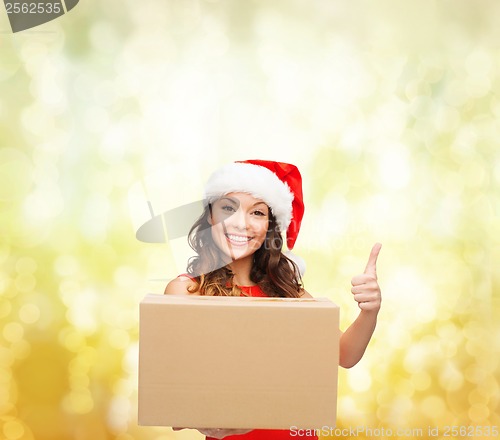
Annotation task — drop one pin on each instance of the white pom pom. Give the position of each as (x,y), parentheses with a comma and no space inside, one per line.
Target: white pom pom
(299,262)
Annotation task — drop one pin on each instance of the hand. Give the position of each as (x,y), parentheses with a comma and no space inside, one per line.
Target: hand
(217,432)
(365,287)
(221,433)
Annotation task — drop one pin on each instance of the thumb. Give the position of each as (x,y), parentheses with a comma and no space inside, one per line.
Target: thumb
(371,266)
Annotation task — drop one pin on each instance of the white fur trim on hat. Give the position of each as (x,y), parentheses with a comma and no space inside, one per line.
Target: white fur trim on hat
(257,181)
(298,260)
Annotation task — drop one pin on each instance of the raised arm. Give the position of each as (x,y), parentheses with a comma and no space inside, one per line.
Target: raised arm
(366,291)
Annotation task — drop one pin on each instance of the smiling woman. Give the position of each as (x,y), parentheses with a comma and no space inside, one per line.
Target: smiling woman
(239,252)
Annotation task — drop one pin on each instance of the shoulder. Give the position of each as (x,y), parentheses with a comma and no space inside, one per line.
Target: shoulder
(305,294)
(181,286)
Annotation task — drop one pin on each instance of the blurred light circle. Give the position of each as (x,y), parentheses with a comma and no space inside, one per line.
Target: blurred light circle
(16,169)
(29,313)
(13,429)
(405,387)
(79,381)
(384,396)
(71,339)
(25,283)
(21,349)
(490,386)
(451,378)
(119,339)
(421,380)
(476,397)
(37,120)
(26,265)
(44,203)
(78,402)
(433,407)
(11,62)
(447,119)
(477,87)
(360,380)
(400,409)
(478,413)
(475,373)
(5,307)
(13,332)
(479,62)
(474,173)
(66,265)
(455,94)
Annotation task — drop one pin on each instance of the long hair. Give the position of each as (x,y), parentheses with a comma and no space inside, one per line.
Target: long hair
(273,272)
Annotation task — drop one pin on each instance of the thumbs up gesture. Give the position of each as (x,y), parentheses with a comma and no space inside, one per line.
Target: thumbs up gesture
(365,287)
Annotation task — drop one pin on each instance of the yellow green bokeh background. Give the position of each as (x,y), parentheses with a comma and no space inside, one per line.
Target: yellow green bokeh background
(391,111)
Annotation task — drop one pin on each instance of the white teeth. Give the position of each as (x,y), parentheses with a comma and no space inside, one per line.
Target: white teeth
(238,238)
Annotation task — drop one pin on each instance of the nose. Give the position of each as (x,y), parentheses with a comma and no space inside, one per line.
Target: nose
(238,220)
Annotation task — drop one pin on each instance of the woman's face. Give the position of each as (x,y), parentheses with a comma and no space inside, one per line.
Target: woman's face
(239,224)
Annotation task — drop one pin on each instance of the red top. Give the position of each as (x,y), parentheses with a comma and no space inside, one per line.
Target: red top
(267,434)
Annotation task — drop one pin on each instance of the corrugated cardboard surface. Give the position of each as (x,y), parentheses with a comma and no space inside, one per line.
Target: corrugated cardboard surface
(226,362)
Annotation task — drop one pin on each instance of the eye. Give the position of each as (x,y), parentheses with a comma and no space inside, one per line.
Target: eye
(260,213)
(227,208)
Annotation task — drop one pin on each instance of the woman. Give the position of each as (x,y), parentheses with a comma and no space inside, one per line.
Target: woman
(239,252)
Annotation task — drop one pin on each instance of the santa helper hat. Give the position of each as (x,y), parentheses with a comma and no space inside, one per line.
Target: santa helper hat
(278,184)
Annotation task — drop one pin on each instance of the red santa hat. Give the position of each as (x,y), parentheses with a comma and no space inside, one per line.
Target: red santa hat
(276,183)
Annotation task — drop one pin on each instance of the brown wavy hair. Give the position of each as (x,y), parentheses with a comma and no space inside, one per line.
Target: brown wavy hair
(272,271)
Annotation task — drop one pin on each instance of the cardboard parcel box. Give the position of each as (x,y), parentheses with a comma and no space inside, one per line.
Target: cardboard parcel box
(238,362)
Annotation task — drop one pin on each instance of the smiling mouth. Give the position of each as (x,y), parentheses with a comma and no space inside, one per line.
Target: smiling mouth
(238,240)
